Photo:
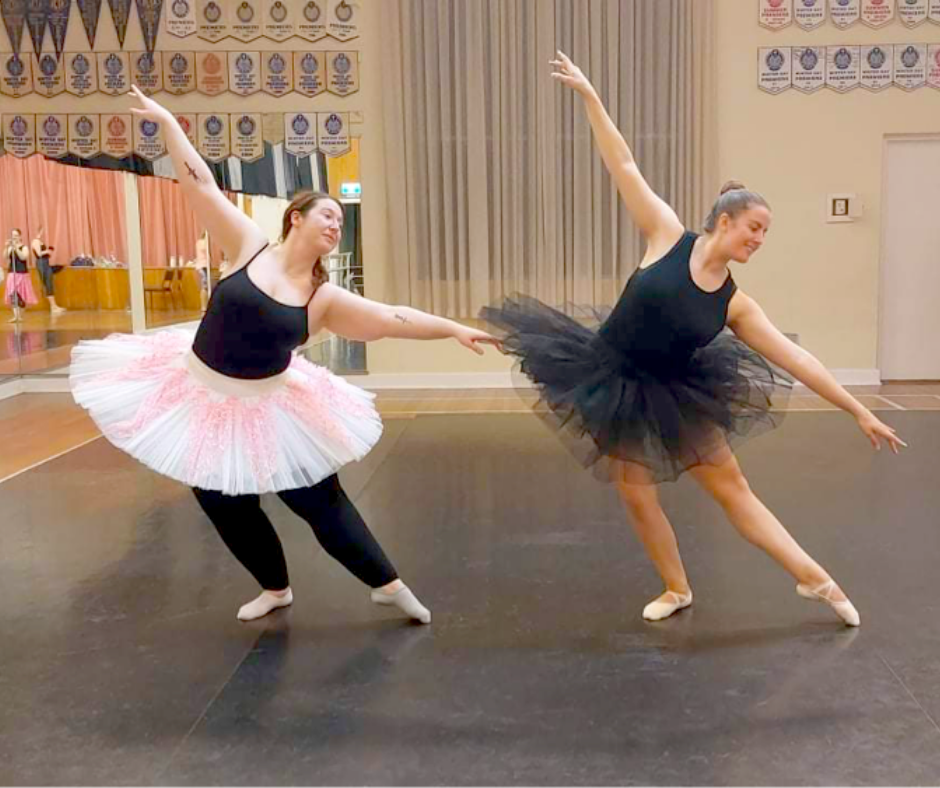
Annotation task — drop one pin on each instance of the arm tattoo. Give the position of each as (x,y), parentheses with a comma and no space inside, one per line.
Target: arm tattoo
(401,318)
(192,173)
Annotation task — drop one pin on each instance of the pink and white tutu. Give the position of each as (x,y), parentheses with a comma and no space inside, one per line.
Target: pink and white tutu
(21,285)
(154,399)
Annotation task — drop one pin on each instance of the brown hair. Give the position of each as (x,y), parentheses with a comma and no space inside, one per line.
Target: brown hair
(733,198)
(302,203)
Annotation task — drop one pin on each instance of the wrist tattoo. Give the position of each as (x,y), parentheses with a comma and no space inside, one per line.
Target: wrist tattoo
(192,173)
(401,318)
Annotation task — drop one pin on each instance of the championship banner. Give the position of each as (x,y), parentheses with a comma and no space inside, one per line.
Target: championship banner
(247,138)
(14,20)
(16,77)
(810,14)
(809,68)
(83,136)
(933,11)
(342,72)
(877,13)
(245,19)
(211,22)
(114,73)
(52,135)
(332,133)
(179,72)
(147,71)
(877,67)
(244,75)
(148,13)
(91,13)
(344,19)
(844,13)
(116,135)
(273,127)
(775,14)
(913,12)
(214,142)
(278,19)
(59,23)
(910,66)
(188,125)
(774,69)
(309,73)
(81,73)
(300,133)
(311,21)
(933,66)
(18,135)
(49,76)
(180,18)
(843,68)
(37,14)
(120,13)
(148,139)
(211,73)
(277,74)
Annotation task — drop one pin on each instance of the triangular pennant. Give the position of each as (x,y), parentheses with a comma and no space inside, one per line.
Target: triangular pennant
(37,14)
(120,12)
(91,12)
(14,18)
(148,12)
(59,23)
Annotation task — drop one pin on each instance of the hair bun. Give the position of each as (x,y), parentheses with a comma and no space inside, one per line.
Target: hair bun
(731,186)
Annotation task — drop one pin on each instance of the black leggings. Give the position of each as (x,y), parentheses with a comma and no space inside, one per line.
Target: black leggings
(248,532)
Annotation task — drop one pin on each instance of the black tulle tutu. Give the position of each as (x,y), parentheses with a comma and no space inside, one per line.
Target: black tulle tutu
(620,417)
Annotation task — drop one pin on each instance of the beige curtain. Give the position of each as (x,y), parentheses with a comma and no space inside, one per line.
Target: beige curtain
(494,185)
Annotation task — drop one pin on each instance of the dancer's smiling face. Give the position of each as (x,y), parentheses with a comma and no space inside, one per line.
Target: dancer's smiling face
(743,235)
(321,225)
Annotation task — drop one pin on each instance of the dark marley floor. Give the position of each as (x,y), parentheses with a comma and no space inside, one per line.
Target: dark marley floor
(121,661)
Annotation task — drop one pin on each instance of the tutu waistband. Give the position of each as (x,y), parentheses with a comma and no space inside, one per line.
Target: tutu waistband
(242,388)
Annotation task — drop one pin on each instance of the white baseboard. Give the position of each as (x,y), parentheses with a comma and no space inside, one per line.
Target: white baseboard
(11,388)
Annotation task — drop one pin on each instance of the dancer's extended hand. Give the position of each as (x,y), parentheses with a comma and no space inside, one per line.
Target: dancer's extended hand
(877,430)
(473,339)
(569,74)
(149,109)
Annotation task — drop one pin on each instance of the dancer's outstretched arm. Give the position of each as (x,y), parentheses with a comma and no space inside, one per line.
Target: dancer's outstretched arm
(355,317)
(653,215)
(238,235)
(753,327)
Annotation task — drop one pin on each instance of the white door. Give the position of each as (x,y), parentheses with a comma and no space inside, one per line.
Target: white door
(909,341)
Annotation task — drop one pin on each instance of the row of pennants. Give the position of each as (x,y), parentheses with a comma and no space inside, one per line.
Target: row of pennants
(845,67)
(810,14)
(215,135)
(278,73)
(210,20)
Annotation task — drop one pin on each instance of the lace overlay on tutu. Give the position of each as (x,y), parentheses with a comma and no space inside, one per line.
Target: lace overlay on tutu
(153,398)
(633,423)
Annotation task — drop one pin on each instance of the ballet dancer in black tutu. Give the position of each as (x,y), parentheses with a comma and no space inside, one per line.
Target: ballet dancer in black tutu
(660,387)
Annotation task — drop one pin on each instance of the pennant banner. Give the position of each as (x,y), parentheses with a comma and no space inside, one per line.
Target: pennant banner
(300,133)
(877,67)
(179,72)
(52,137)
(311,21)
(37,14)
(83,136)
(309,73)
(910,66)
(147,71)
(933,11)
(91,13)
(148,140)
(14,19)
(81,73)
(877,13)
(244,72)
(277,77)
(120,13)
(933,66)
(247,138)
(19,135)
(211,22)
(17,76)
(114,73)
(148,12)
(279,19)
(116,135)
(188,125)
(211,73)
(843,68)
(913,12)
(245,20)
(344,19)
(775,14)
(180,18)
(809,68)
(48,76)
(214,142)
(342,72)
(332,133)
(59,11)
(774,69)
(810,14)
(844,13)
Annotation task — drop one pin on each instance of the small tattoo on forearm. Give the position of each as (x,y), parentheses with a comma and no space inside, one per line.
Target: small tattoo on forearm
(401,318)
(192,173)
